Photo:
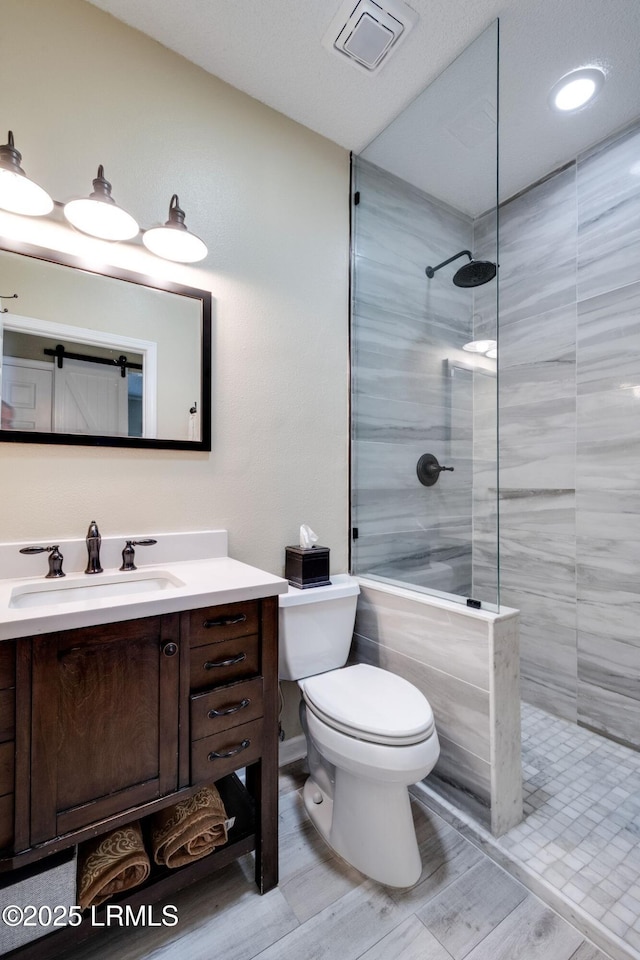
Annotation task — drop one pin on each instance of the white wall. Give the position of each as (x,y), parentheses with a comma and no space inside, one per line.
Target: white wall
(270,199)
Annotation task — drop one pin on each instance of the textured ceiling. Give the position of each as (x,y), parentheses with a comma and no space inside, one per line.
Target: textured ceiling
(272,50)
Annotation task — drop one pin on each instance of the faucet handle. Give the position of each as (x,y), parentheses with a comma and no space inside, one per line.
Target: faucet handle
(55,559)
(128,554)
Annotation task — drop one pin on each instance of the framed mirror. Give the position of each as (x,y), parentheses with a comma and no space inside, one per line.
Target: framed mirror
(100,356)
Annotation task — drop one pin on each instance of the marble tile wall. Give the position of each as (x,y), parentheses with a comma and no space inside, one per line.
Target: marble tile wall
(406,330)
(570,436)
(466,664)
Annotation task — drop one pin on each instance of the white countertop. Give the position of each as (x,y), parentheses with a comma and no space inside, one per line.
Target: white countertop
(204,582)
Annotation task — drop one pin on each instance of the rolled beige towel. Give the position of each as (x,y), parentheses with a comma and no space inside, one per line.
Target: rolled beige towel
(190,829)
(109,864)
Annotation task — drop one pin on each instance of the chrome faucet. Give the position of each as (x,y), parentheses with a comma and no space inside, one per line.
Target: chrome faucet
(93,548)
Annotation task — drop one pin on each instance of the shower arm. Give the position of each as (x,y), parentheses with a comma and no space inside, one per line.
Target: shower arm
(431,270)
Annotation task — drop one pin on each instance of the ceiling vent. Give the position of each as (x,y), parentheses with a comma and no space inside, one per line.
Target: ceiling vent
(365,32)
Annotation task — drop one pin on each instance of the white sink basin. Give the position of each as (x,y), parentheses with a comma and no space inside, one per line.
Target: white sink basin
(47,593)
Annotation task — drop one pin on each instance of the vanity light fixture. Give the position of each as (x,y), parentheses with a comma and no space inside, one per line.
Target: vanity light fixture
(18,194)
(480,346)
(576,89)
(99,215)
(173,241)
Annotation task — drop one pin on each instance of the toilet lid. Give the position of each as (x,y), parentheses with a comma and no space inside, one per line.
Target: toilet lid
(370,704)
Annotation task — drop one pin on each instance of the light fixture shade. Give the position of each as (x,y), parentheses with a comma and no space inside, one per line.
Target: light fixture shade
(18,194)
(173,241)
(480,346)
(99,215)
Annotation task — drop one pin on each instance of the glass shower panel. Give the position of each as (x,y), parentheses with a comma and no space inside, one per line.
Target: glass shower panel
(424,390)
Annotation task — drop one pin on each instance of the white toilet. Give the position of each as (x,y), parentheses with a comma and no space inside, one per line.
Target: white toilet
(369,735)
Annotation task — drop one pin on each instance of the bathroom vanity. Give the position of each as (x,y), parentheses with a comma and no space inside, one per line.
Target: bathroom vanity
(113,708)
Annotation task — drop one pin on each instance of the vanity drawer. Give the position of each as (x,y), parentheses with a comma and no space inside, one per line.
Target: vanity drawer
(236,748)
(6,821)
(225,707)
(7,665)
(213,624)
(218,663)
(7,715)
(7,764)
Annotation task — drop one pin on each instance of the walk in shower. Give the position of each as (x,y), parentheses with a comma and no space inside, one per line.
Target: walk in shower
(424,337)
(562,470)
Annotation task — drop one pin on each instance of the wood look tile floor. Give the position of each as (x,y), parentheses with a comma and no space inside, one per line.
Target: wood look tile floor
(464,906)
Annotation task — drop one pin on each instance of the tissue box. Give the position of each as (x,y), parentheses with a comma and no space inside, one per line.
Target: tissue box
(307,566)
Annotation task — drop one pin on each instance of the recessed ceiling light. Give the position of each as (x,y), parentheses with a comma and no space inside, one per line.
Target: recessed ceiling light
(576,89)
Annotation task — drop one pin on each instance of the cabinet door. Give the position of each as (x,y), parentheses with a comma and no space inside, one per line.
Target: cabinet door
(104,722)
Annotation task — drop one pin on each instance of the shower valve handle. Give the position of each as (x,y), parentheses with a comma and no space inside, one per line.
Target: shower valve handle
(429,470)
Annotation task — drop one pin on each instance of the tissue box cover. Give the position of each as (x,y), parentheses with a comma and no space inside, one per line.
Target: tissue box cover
(307,566)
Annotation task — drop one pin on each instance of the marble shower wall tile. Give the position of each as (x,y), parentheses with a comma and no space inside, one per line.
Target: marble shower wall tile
(607,662)
(383,420)
(399,225)
(387,332)
(607,513)
(610,713)
(409,372)
(538,249)
(548,662)
(608,405)
(529,512)
(437,558)
(538,358)
(537,444)
(608,338)
(434,637)
(572,565)
(402,292)
(609,216)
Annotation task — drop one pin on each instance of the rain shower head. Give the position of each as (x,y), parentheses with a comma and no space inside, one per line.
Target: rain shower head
(472,274)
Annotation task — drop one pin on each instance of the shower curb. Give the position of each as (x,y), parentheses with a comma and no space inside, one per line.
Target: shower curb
(471,830)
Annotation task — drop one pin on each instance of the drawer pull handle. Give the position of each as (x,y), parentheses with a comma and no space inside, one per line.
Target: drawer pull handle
(224,621)
(214,755)
(229,710)
(212,664)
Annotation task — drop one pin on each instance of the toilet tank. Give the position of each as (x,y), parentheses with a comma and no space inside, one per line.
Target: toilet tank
(316,627)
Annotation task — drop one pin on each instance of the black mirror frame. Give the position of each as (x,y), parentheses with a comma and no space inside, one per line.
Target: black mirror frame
(69,260)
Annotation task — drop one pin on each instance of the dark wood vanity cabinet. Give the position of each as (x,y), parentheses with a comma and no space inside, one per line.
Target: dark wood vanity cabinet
(104,734)
(103,725)
(7,742)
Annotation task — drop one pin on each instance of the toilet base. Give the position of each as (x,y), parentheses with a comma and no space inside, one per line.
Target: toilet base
(377,836)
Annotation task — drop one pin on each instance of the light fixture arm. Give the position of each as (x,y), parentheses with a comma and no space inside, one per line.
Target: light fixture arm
(176,214)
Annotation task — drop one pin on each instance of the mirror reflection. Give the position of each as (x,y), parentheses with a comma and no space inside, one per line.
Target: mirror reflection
(101,359)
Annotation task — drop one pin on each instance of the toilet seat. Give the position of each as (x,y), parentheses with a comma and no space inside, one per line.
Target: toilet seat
(370,704)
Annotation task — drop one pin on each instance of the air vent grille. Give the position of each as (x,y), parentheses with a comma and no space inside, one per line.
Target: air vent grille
(365,34)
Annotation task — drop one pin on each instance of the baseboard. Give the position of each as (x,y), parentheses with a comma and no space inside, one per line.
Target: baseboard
(295,748)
